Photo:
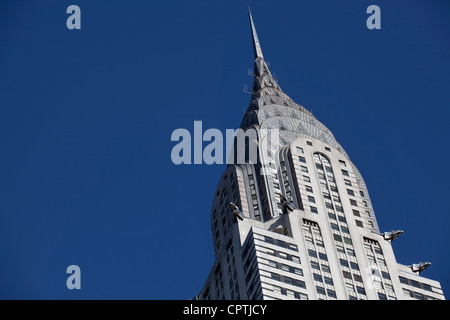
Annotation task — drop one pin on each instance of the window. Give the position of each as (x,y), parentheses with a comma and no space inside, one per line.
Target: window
(331,293)
(345,173)
(350,192)
(357,278)
(314,209)
(276,289)
(427,287)
(359,223)
(389,287)
(287,280)
(328,281)
(382,296)
(337,237)
(272,263)
(345,230)
(309,143)
(343,262)
(348,240)
(350,287)
(268,239)
(290,293)
(327,149)
(312,253)
(298,283)
(315,265)
(311,199)
(320,290)
(302,159)
(347,182)
(275,276)
(371,259)
(361,193)
(283,255)
(353,202)
(342,163)
(298,271)
(323,256)
(306,179)
(403,280)
(354,265)
(356,213)
(331,216)
(309,189)
(304,169)
(347,275)
(295,259)
(317,277)
(360,290)
(334,226)
(299,150)
(326,268)
(340,249)
(281,243)
(302,296)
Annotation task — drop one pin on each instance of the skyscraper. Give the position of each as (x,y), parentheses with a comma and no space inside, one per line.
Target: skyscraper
(298,222)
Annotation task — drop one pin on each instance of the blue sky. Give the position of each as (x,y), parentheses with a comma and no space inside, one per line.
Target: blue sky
(86,118)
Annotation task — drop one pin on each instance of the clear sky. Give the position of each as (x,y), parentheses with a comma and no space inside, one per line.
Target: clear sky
(86,117)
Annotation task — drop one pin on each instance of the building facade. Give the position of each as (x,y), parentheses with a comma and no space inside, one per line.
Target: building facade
(298,222)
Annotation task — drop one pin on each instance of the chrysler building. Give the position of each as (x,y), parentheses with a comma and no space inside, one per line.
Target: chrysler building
(298,223)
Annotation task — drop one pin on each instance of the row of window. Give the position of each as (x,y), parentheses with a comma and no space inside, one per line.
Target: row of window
(381,278)
(316,252)
(290,293)
(309,143)
(415,284)
(282,255)
(417,295)
(281,243)
(329,292)
(333,204)
(285,267)
(288,280)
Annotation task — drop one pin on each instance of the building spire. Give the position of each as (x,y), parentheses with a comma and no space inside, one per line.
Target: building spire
(256,45)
